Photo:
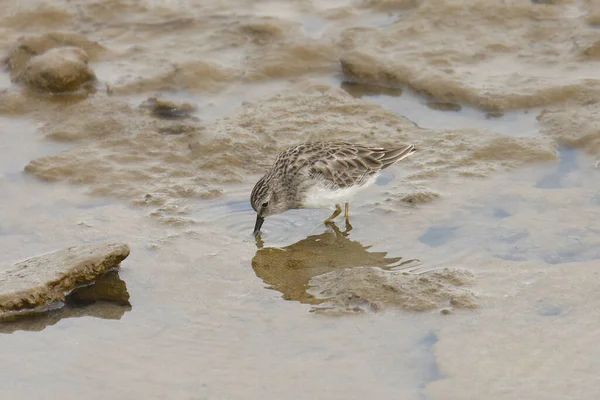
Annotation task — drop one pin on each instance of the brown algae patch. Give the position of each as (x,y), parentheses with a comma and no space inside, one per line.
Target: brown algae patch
(197,75)
(492,55)
(573,126)
(129,153)
(125,151)
(373,289)
(419,197)
(292,60)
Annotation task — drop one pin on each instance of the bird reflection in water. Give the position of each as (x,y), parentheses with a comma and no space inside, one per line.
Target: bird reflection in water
(289,269)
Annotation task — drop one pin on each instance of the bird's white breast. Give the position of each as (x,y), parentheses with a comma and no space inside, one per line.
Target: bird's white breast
(322,196)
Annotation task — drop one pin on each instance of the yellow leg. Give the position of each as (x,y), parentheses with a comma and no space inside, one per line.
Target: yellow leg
(347,217)
(338,211)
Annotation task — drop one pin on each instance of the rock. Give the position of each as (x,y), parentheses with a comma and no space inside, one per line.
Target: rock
(363,69)
(365,89)
(494,114)
(389,5)
(58,70)
(43,280)
(170,109)
(32,46)
(106,298)
(263,31)
(110,288)
(444,106)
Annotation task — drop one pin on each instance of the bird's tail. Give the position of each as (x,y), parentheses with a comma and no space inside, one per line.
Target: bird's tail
(392,156)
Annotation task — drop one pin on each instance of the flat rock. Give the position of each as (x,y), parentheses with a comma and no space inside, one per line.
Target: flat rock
(40,281)
(106,298)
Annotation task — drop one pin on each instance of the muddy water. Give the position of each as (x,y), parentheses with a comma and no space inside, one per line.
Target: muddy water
(470,269)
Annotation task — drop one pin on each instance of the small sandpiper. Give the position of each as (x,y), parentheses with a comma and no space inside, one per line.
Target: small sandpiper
(318,175)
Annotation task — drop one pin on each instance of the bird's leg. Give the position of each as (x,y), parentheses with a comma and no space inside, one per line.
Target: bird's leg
(347,217)
(338,211)
(334,228)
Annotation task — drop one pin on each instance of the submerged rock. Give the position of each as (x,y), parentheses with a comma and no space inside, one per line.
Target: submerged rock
(389,5)
(420,197)
(444,106)
(40,281)
(192,75)
(170,109)
(63,69)
(364,89)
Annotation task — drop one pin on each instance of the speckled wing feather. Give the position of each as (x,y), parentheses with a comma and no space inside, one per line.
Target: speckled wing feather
(342,165)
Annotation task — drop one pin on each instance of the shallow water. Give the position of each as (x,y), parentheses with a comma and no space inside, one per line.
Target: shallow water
(236,318)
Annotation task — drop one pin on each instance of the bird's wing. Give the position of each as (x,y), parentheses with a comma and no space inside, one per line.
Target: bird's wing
(347,165)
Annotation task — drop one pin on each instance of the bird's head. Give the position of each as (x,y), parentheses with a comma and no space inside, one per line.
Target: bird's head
(267,199)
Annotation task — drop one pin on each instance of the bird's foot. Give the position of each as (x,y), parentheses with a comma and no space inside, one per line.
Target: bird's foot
(338,211)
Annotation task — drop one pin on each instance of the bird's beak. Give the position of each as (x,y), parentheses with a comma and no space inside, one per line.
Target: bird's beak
(259,222)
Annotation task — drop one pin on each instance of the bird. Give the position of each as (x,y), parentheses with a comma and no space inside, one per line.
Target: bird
(318,175)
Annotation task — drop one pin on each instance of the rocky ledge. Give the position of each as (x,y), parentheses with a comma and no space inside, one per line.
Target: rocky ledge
(39,282)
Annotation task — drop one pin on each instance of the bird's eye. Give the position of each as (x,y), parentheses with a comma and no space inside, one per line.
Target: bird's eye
(265,204)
